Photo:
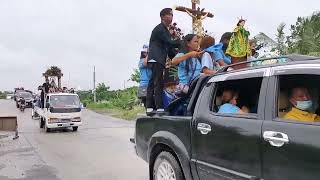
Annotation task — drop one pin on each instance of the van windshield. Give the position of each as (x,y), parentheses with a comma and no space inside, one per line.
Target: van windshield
(64,101)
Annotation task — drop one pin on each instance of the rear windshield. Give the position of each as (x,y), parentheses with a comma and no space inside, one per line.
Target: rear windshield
(64,101)
(25,95)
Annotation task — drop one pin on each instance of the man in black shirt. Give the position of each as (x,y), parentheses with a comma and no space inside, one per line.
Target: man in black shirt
(160,45)
(44,90)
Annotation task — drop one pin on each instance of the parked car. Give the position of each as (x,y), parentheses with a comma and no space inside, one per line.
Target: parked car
(263,143)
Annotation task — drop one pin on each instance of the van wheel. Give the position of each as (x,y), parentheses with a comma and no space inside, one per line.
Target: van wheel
(75,128)
(167,167)
(41,122)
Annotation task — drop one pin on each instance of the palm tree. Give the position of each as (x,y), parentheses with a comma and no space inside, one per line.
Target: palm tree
(54,71)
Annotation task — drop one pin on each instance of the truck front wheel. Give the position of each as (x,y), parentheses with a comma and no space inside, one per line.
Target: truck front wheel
(167,167)
(46,129)
(75,128)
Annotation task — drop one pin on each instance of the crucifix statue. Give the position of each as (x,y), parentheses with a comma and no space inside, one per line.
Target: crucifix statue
(197,16)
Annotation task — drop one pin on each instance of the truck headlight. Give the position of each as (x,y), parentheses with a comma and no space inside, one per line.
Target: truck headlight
(53,120)
(76,119)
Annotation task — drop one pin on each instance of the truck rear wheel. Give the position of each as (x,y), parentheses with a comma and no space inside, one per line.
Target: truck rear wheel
(75,128)
(167,167)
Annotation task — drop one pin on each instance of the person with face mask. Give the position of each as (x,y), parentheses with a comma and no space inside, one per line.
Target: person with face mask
(302,104)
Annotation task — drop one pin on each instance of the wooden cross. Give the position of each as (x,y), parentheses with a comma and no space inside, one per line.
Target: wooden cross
(197,16)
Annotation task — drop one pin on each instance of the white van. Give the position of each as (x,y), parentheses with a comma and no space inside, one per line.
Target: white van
(61,110)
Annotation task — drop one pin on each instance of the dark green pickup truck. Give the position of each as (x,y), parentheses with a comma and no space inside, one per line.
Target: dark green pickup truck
(262,143)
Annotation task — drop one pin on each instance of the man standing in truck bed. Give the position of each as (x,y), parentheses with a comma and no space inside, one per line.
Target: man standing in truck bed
(160,45)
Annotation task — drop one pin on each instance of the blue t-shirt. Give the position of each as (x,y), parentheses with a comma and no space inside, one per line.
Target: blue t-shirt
(145,74)
(229,108)
(206,61)
(194,70)
(219,54)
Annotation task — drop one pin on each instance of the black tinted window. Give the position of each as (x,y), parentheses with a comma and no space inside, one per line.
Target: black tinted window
(237,96)
(298,98)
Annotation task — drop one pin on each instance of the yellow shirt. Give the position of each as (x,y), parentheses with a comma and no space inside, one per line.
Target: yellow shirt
(304,116)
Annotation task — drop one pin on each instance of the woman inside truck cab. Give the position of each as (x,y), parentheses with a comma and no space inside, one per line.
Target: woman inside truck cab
(189,66)
(230,101)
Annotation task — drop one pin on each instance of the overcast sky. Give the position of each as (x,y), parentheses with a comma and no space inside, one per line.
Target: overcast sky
(79,34)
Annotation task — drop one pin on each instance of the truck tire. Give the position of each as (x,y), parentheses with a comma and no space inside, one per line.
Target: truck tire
(75,128)
(167,167)
(41,123)
(46,129)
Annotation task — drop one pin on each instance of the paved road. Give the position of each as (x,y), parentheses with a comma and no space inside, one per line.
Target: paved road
(100,150)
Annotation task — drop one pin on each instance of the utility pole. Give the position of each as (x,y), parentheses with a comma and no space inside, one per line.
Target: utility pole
(94,85)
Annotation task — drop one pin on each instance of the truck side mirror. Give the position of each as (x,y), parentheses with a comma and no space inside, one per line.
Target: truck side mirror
(47,105)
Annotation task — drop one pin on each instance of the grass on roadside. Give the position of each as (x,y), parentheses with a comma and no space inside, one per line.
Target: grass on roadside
(104,108)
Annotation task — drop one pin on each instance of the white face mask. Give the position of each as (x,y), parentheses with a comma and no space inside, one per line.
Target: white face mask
(304,105)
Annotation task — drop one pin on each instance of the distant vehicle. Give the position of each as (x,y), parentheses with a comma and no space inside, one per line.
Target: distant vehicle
(16,91)
(10,96)
(27,97)
(62,110)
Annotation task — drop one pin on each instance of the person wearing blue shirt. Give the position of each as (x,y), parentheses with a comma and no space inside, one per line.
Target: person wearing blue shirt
(219,50)
(230,97)
(189,66)
(207,59)
(145,72)
(145,75)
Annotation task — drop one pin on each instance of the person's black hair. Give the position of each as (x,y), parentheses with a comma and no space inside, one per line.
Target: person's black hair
(165,11)
(185,49)
(225,36)
(240,21)
(143,55)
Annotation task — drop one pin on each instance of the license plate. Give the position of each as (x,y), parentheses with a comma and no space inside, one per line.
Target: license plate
(65,120)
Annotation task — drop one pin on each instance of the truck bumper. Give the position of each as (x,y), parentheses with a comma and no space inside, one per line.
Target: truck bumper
(64,125)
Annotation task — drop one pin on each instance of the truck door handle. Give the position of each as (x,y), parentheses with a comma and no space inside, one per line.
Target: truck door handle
(204,128)
(276,139)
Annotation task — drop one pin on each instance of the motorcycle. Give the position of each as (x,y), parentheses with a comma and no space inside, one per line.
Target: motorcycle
(22,105)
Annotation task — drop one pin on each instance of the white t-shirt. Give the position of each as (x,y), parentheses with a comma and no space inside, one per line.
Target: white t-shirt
(206,61)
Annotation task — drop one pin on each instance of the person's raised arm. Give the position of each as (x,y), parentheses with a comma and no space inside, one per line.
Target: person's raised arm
(179,59)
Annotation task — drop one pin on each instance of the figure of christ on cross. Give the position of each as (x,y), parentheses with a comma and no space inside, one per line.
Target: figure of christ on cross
(197,16)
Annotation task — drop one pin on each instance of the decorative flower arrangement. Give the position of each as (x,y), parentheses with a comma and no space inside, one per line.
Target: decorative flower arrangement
(175,32)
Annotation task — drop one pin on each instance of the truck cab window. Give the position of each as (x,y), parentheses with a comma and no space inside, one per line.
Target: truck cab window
(237,96)
(298,98)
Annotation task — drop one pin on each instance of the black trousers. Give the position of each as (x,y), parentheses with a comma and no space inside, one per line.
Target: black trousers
(155,87)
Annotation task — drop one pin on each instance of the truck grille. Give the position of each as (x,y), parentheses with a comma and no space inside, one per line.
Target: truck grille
(64,110)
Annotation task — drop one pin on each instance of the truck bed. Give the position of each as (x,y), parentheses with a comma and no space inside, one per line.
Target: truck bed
(170,127)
